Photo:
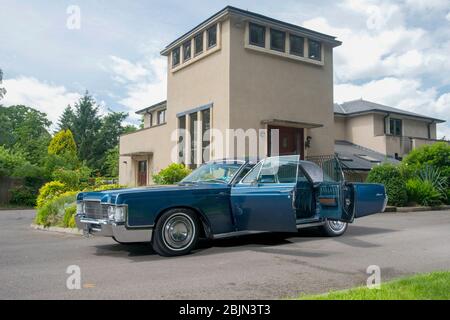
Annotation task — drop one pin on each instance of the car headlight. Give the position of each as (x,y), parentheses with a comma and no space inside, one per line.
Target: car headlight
(120,213)
(80,207)
(117,213)
(111,212)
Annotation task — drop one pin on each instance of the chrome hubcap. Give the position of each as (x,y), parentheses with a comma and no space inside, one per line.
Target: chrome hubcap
(178,231)
(336,226)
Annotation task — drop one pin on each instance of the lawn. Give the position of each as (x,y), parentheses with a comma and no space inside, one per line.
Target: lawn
(430,286)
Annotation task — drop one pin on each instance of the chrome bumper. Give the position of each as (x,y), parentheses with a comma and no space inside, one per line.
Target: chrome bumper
(105,228)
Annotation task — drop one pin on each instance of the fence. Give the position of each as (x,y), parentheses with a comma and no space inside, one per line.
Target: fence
(332,166)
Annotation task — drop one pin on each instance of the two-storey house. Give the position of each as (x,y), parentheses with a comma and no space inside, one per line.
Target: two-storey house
(239,71)
(390,131)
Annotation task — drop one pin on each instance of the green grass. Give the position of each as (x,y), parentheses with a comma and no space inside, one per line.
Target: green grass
(430,286)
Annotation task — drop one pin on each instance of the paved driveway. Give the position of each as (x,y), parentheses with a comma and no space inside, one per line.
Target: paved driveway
(33,263)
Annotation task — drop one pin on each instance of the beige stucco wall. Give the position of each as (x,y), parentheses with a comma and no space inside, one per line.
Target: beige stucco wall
(340,128)
(415,128)
(265,86)
(203,82)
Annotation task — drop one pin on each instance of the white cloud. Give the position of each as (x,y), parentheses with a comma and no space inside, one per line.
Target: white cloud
(148,91)
(406,94)
(45,97)
(420,5)
(124,70)
(448,16)
(365,54)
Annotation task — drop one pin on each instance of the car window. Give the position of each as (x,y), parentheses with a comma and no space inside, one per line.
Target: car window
(278,170)
(252,175)
(243,172)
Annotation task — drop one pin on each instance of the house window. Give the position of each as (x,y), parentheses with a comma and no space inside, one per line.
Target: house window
(257,35)
(277,40)
(206,126)
(187,50)
(176,57)
(198,44)
(161,116)
(315,50)
(150,119)
(395,126)
(181,138)
(194,134)
(212,36)
(297,45)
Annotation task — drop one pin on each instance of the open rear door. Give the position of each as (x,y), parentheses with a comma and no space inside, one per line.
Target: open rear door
(331,197)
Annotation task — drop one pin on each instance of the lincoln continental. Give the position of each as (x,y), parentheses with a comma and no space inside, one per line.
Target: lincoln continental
(229,198)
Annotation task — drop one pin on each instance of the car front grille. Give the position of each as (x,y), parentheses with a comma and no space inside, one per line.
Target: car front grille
(95,210)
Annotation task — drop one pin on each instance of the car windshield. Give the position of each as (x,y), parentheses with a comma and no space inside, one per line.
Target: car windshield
(214,172)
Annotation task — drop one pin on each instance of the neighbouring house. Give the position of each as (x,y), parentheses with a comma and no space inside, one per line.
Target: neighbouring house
(369,133)
(387,130)
(237,70)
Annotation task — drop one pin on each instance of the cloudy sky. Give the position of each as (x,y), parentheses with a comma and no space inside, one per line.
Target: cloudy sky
(394,52)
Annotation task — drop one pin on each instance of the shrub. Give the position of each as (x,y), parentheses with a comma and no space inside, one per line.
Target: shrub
(63,143)
(53,211)
(23,195)
(48,191)
(69,217)
(172,174)
(395,184)
(73,179)
(105,187)
(436,155)
(423,192)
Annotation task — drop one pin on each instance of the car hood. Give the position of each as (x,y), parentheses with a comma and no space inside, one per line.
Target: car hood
(110,196)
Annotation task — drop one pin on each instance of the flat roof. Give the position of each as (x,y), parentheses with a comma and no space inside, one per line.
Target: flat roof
(253,15)
(162,104)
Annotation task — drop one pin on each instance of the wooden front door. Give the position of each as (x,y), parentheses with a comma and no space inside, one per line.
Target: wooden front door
(142,173)
(291,141)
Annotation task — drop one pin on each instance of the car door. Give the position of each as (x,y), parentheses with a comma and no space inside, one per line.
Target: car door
(331,199)
(263,200)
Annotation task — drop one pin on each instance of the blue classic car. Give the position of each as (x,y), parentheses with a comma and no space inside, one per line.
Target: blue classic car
(228,198)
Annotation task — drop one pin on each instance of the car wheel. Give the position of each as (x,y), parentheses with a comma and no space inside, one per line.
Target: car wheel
(176,233)
(334,228)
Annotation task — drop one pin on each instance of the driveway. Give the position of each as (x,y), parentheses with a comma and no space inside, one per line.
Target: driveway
(33,263)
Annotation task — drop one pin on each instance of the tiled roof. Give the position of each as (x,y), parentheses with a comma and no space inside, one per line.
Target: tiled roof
(355,157)
(363,106)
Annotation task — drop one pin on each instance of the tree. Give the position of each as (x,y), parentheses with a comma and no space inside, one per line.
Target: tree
(86,125)
(63,143)
(94,135)
(26,130)
(66,120)
(110,167)
(2,90)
